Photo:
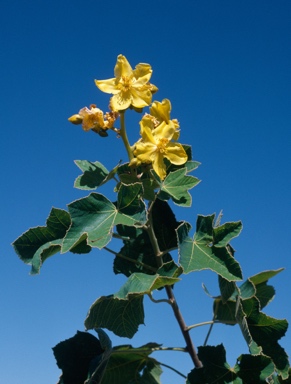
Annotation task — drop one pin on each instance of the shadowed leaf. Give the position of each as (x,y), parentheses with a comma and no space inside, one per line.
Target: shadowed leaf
(37,244)
(119,316)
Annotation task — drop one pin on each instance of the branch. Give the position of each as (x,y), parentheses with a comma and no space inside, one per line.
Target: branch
(158,301)
(131,260)
(183,327)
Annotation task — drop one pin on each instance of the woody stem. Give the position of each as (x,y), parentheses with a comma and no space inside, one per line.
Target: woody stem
(183,327)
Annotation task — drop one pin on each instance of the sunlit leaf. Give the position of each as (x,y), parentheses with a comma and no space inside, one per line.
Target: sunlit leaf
(94,217)
(198,253)
(141,283)
(223,234)
(177,184)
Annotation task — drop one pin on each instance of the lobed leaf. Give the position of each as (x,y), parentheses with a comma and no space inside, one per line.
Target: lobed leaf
(199,253)
(75,355)
(141,284)
(38,244)
(94,217)
(176,186)
(131,208)
(119,316)
(94,175)
(137,254)
(254,369)
(133,365)
(215,368)
(223,234)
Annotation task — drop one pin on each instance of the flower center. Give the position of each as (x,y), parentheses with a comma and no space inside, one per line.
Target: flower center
(125,83)
(161,146)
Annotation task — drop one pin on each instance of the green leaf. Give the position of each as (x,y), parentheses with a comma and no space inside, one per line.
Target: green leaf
(227,288)
(241,318)
(215,368)
(94,216)
(37,244)
(133,365)
(141,284)
(75,355)
(92,219)
(170,269)
(247,290)
(254,369)
(94,175)
(165,225)
(177,184)
(98,365)
(199,253)
(264,292)
(119,316)
(131,208)
(266,331)
(223,234)
(137,254)
(191,165)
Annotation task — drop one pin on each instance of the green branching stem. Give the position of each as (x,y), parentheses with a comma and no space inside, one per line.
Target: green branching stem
(183,327)
(123,135)
(211,322)
(173,369)
(159,301)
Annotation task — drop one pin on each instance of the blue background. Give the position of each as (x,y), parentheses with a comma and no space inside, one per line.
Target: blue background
(225,66)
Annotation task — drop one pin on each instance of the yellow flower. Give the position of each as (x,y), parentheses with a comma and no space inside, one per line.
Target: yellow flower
(94,119)
(155,145)
(129,87)
(161,112)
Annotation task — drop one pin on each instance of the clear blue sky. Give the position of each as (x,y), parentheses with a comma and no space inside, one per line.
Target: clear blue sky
(225,66)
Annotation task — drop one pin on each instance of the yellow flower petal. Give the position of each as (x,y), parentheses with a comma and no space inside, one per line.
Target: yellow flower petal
(164,130)
(120,101)
(176,154)
(161,110)
(159,166)
(107,86)
(122,67)
(143,70)
(140,98)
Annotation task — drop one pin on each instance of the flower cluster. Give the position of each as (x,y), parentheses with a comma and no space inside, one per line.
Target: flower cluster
(157,132)
(131,89)
(94,119)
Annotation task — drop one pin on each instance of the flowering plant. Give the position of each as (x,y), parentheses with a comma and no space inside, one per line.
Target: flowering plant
(157,173)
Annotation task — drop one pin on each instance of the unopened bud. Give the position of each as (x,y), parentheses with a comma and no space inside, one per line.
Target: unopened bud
(76,119)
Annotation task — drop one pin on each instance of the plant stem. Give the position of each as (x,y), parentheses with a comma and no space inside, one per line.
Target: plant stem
(131,260)
(123,135)
(183,327)
(173,369)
